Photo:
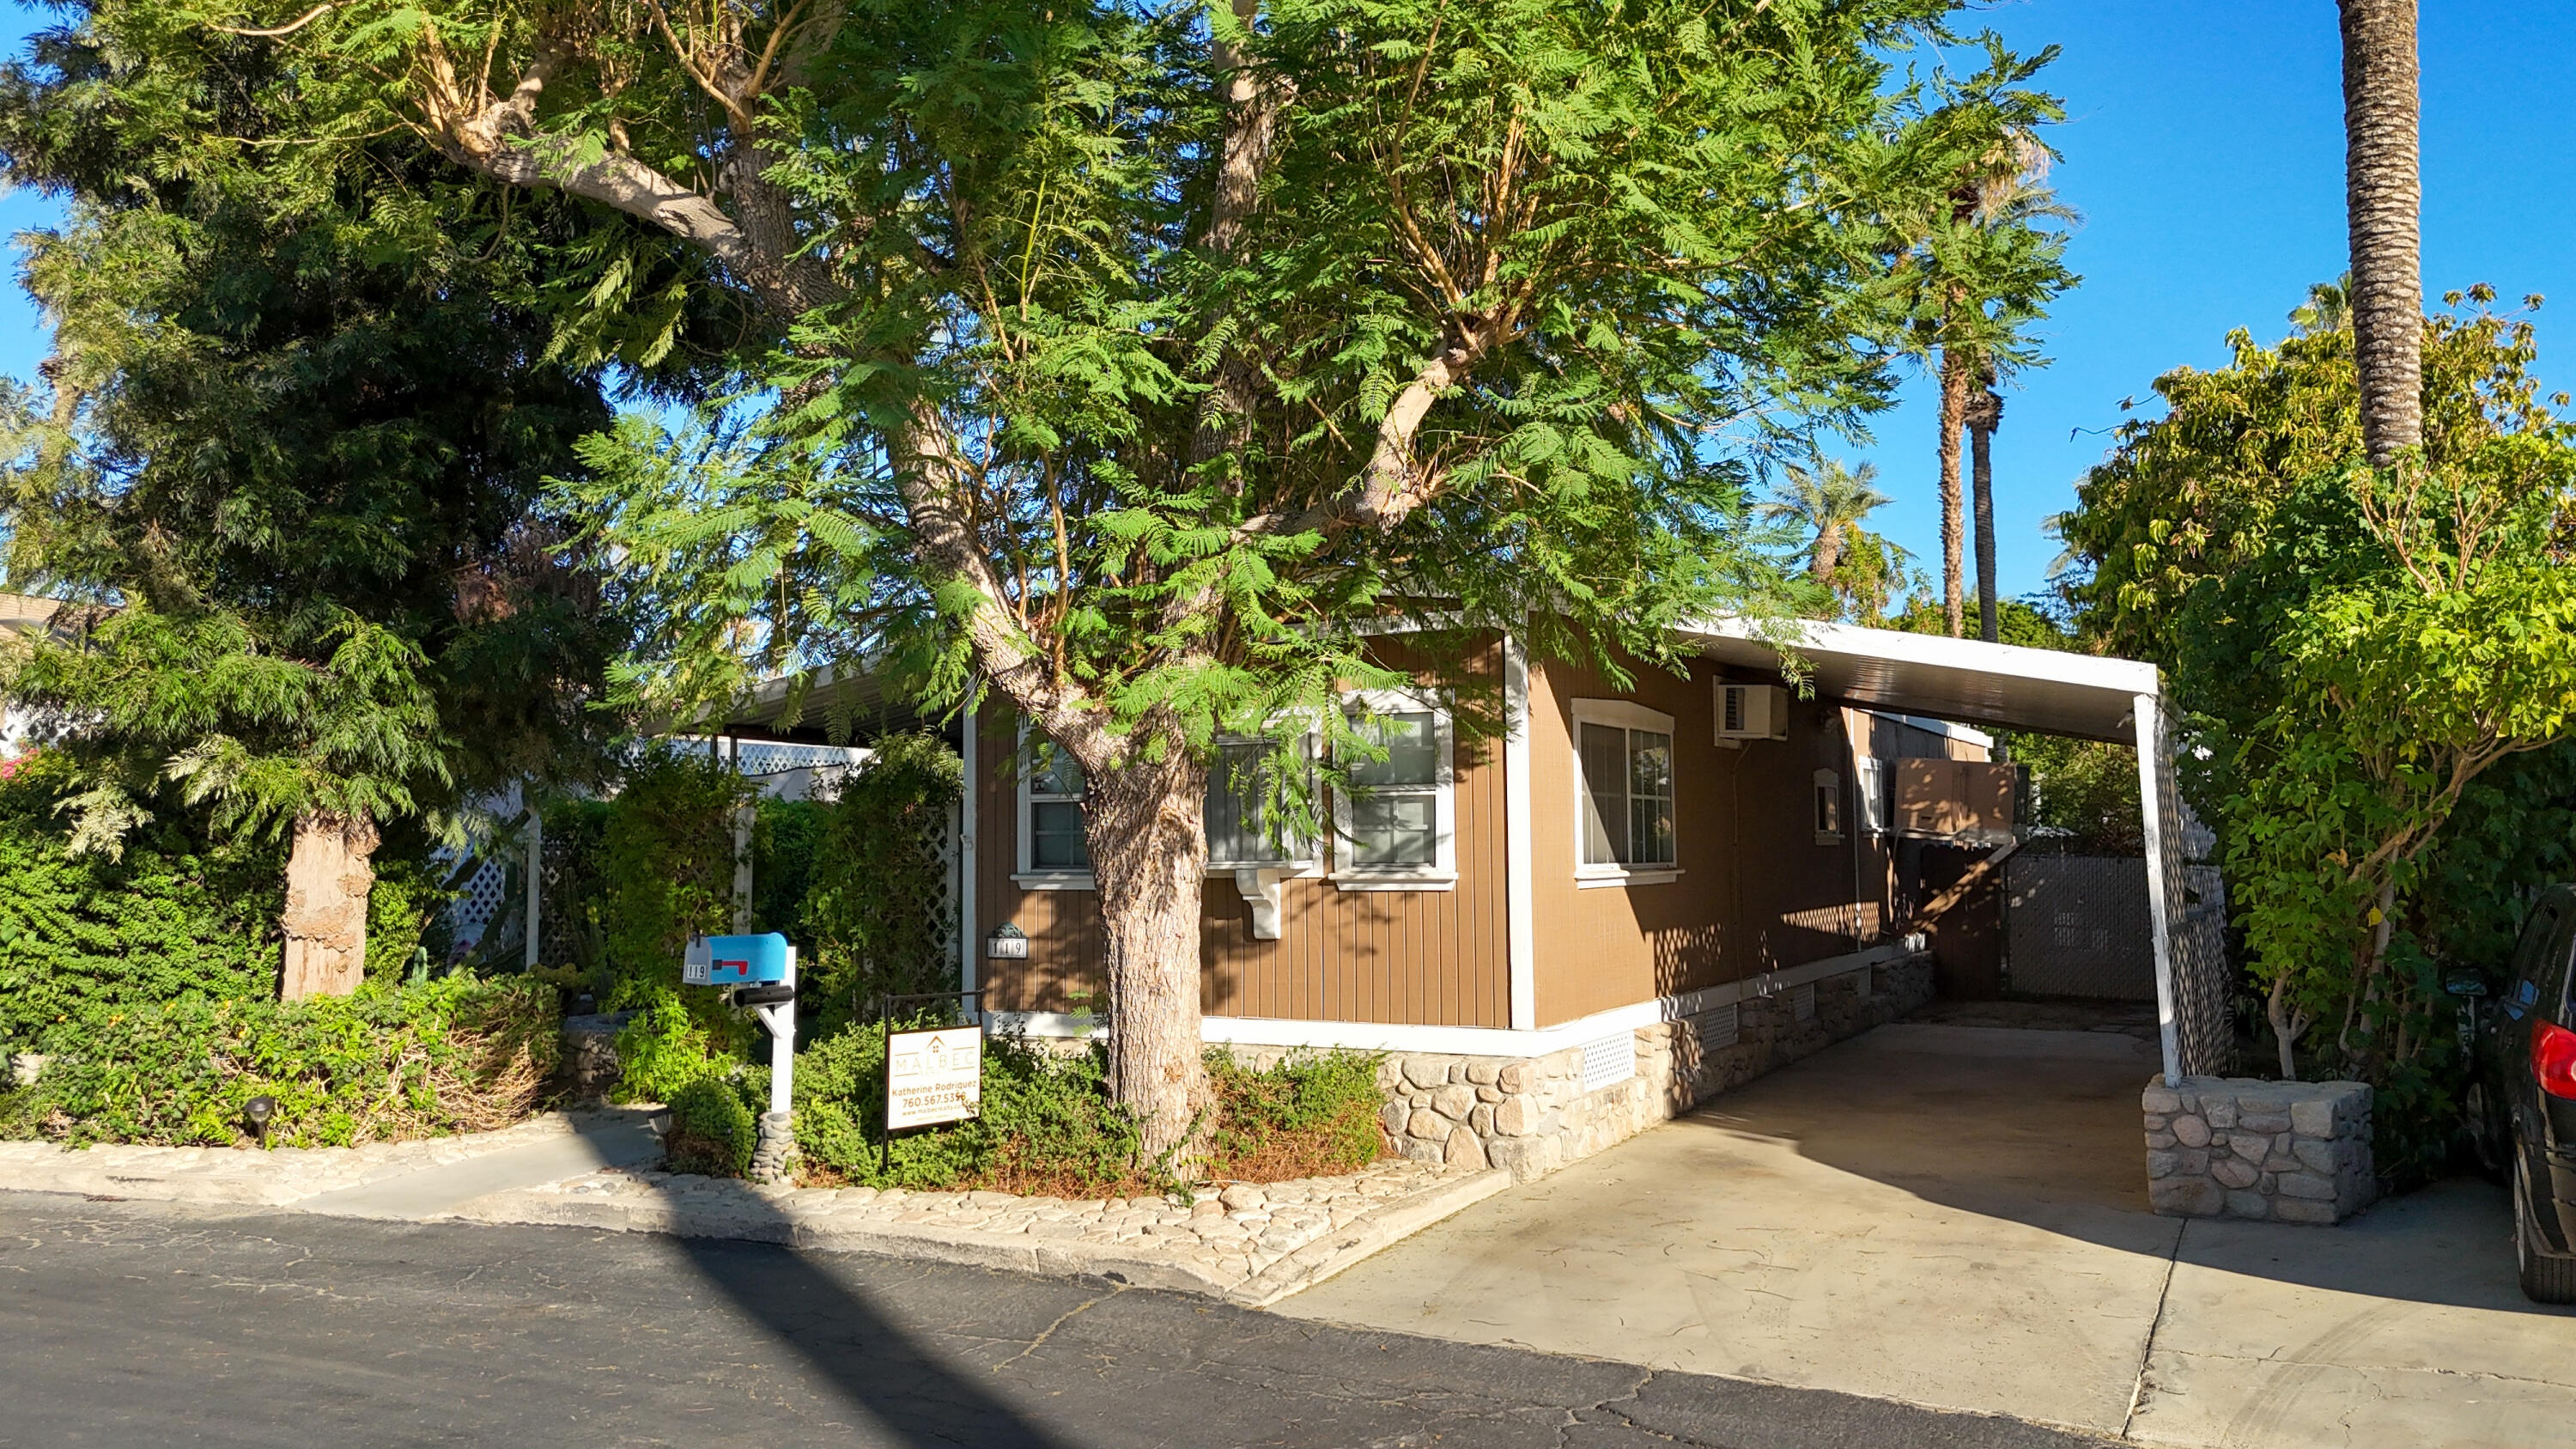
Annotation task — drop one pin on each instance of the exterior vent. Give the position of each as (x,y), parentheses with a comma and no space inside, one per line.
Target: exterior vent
(1752,712)
(1718,1029)
(1802,1002)
(1611,1059)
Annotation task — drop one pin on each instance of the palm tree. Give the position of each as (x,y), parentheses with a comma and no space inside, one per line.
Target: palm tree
(1829,500)
(2001,202)
(2383,194)
(2328,308)
(1985,414)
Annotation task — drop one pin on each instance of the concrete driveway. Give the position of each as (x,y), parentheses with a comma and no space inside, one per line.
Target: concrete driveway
(1956,1216)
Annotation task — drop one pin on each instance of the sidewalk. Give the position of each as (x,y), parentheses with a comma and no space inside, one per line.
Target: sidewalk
(1251,1245)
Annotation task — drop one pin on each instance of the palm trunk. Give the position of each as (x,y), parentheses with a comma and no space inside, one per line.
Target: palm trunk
(329,874)
(1146,824)
(1988,414)
(1955,386)
(2383,197)
(1827,554)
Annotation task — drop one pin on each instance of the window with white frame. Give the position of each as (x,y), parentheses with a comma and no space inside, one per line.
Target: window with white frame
(1623,786)
(1829,807)
(1239,791)
(1052,844)
(1398,820)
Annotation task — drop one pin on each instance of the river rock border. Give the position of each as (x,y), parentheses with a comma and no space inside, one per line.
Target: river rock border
(2291,1152)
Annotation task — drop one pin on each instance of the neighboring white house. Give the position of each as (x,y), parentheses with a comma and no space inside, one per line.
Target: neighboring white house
(21,617)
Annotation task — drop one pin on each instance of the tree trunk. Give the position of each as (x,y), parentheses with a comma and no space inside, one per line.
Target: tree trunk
(1145,820)
(1955,386)
(328,876)
(1985,415)
(1828,552)
(2383,198)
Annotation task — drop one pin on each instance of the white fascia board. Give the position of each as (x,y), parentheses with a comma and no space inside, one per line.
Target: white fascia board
(1900,646)
(1483,1041)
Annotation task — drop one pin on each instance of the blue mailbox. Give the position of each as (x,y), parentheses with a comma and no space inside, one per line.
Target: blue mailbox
(735,960)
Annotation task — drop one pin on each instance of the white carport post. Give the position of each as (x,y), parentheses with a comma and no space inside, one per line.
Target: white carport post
(536,879)
(2152,766)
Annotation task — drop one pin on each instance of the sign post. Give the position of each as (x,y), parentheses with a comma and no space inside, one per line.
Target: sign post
(933,1076)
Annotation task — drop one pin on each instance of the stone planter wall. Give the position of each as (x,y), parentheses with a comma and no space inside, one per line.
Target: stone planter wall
(2292,1152)
(1531,1115)
(590,1066)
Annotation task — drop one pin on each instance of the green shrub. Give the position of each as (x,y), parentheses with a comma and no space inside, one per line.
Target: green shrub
(1309,1116)
(664,1050)
(666,873)
(460,1054)
(787,843)
(712,1130)
(86,941)
(1047,1124)
(877,916)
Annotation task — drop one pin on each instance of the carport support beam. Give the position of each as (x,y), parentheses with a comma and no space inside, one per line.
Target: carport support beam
(2152,766)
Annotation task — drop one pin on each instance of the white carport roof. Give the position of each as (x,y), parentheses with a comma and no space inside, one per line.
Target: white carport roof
(2088,695)
(2044,690)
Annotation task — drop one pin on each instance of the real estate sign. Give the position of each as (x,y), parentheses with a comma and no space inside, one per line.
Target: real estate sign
(933,1076)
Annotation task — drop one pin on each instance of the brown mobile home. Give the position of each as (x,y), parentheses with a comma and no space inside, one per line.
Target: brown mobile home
(1629,899)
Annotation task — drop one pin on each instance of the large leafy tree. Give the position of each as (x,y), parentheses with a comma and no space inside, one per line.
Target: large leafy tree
(2381,661)
(1136,365)
(289,481)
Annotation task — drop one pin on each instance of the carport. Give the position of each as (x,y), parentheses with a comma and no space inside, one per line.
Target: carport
(2087,696)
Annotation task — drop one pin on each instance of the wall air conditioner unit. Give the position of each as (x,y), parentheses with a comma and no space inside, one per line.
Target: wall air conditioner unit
(1751,712)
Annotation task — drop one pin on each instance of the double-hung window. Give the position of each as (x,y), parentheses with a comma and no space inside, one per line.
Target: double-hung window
(1623,783)
(1053,849)
(1397,820)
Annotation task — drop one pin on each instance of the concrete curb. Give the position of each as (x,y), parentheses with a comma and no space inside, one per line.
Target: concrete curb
(1384,1228)
(776,1220)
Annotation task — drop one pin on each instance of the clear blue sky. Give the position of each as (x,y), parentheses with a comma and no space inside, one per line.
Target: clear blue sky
(2204,146)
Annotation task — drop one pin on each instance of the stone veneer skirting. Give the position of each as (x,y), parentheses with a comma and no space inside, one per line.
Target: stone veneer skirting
(2292,1152)
(1533,1115)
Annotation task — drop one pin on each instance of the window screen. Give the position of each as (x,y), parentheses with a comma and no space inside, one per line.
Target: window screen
(1055,815)
(1394,810)
(1627,795)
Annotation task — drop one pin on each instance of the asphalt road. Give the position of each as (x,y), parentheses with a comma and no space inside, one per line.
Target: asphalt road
(141,1324)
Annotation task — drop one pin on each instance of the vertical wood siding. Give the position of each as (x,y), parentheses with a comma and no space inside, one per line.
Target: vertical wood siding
(1420,957)
(1757,891)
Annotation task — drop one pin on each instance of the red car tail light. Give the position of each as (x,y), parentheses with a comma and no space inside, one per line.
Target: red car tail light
(2553,1058)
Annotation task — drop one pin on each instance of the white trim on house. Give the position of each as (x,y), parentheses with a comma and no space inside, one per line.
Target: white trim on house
(1520,906)
(1620,714)
(970,943)
(1486,1040)
(1442,873)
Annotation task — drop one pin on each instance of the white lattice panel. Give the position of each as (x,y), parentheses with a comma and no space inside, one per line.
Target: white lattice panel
(1609,1060)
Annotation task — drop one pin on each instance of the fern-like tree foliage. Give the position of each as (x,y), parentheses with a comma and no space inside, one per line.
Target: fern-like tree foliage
(1130,365)
(288,480)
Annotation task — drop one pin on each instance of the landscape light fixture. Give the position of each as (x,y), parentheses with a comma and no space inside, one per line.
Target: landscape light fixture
(259,1110)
